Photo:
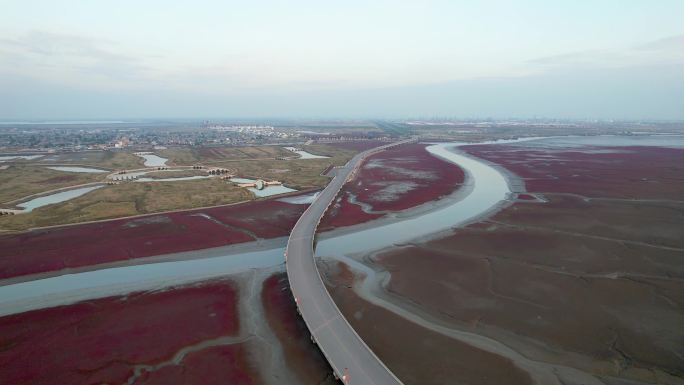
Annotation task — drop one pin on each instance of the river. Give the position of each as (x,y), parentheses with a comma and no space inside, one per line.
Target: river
(99,283)
(70,288)
(76,169)
(486,188)
(57,197)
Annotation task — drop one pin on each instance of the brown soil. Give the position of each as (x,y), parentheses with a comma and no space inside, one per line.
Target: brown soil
(594,284)
(301,355)
(414,354)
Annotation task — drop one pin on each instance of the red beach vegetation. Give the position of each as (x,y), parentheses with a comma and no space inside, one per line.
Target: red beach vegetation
(106,340)
(393,180)
(58,248)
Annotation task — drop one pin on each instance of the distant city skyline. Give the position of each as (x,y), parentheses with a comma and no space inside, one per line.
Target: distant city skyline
(385,59)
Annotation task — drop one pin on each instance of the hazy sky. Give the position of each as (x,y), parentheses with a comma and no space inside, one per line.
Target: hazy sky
(130,59)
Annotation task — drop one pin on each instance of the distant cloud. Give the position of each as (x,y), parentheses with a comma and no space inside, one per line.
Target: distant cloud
(51,56)
(593,57)
(666,51)
(669,43)
(100,64)
(52,75)
(53,44)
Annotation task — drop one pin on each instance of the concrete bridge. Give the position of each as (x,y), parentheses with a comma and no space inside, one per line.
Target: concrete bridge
(351,359)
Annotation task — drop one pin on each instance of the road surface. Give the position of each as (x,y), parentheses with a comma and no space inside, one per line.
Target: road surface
(351,359)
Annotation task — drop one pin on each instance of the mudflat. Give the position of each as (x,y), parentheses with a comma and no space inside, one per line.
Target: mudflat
(588,274)
(415,354)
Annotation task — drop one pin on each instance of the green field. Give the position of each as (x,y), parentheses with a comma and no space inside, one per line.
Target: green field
(20,180)
(112,160)
(135,198)
(128,199)
(297,173)
(175,173)
(193,155)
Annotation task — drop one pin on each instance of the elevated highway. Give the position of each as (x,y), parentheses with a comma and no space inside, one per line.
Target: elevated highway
(351,359)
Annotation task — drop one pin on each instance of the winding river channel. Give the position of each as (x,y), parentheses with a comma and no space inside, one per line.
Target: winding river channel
(486,188)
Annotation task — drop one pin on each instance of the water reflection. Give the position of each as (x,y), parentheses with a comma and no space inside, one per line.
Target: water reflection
(72,288)
(76,169)
(305,155)
(266,191)
(152,160)
(488,187)
(56,198)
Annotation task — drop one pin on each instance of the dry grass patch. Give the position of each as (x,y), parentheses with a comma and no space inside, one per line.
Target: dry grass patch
(129,199)
(18,181)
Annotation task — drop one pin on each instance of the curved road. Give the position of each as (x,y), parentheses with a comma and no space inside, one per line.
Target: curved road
(351,359)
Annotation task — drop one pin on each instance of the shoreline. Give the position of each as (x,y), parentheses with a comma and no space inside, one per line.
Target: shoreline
(514,185)
(72,288)
(370,286)
(208,253)
(259,246)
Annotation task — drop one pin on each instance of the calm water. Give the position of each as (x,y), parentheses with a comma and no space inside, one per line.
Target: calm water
(267,191)
(76,169)
(152,160)
(72,288)
(675,141)
(242,180)
(271,190)
(13,157)
(488,185)
(304,154)
(488,189)
(100,283)
(56,198)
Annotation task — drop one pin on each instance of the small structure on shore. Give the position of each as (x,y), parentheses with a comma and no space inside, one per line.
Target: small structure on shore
(260,184)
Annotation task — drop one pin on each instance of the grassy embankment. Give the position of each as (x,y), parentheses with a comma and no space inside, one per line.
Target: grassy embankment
(135,198)
(25,178)
(20,180)
(112,160)
(295,173)
(129,199)
(205,155)
(175,174)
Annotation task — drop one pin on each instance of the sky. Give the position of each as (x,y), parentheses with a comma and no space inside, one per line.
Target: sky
(579,59)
